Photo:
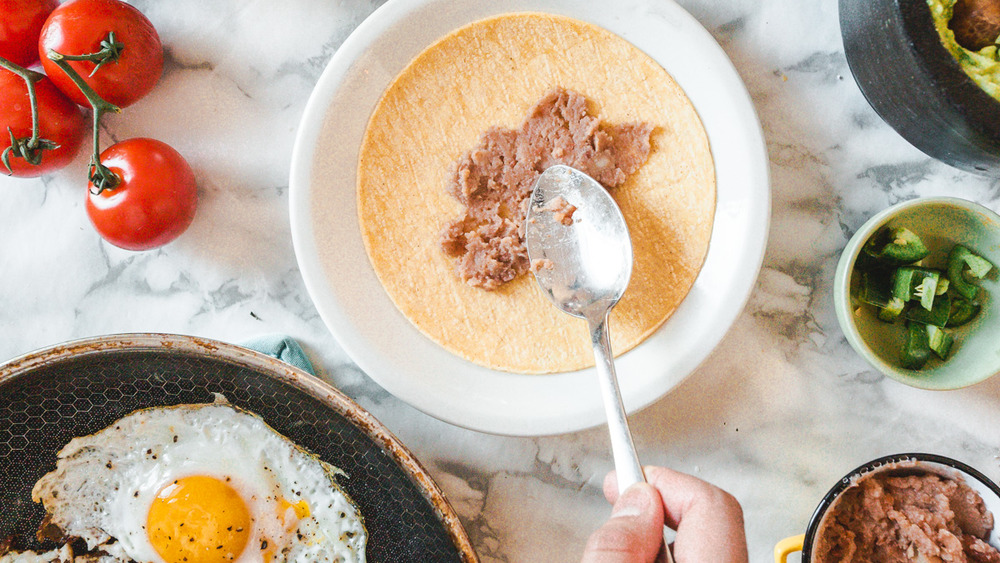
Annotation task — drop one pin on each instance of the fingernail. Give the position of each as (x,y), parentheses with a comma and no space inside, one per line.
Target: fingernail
(633,502)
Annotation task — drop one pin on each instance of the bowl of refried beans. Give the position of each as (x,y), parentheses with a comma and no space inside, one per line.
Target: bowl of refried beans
(917,507)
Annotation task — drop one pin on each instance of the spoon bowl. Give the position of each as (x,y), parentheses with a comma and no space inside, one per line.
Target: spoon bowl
(583,267)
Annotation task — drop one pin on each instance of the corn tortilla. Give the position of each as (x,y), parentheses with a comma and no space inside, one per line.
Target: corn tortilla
(490,73)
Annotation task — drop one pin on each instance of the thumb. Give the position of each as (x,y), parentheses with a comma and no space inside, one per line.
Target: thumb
(634,532)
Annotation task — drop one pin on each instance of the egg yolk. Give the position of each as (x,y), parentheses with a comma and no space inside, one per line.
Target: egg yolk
(198,519)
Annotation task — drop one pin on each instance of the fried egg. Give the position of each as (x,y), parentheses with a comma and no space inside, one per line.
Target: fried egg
(201,484)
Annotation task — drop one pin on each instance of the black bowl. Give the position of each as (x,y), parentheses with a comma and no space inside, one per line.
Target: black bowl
(916,86)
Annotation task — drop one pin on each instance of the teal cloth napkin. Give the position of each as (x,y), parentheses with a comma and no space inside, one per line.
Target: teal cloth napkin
(283,347)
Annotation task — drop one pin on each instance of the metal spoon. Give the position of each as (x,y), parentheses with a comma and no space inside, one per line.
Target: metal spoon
(584,268)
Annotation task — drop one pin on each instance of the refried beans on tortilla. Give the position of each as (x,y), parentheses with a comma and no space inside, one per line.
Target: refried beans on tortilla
(492,73)
(494,181)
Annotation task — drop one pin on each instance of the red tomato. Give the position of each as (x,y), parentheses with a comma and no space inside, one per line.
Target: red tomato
(20,23)
(79,26)
(155,201)
(59,121)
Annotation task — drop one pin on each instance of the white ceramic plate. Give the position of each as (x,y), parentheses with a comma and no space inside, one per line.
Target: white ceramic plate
(396,355)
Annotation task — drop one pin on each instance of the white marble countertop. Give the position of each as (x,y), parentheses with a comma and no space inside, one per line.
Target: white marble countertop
(777,415)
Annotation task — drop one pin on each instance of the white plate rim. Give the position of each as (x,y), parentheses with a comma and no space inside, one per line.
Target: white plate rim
(502,403)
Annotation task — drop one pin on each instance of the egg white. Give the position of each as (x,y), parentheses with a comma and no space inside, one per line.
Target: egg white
(104,484)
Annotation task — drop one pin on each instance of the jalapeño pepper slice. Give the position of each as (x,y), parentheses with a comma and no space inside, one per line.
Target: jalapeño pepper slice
(892,310)
(917,349)
(961,258)
(937,316)
(896,245)
(876,287)
(939,341)
(962,311)
(910,282)
(942,287)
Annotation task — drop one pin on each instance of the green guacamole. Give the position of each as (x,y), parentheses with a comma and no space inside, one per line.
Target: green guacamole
(982,66)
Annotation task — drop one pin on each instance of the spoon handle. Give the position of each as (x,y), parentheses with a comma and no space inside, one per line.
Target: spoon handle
(622,448)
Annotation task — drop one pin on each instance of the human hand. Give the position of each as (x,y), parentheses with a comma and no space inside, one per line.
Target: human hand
(708,520)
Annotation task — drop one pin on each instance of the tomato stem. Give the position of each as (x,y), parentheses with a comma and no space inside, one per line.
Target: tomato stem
(100,176)
(29,149)
(110,51)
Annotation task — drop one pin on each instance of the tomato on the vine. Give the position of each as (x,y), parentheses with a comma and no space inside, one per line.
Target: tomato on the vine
(111,27)
(60,123)
(20,24)
(154,200)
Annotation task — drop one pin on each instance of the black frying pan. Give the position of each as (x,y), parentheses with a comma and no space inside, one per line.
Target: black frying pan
(49,397)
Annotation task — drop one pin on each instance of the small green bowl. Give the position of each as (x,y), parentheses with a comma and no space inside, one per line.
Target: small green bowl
(940,222)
